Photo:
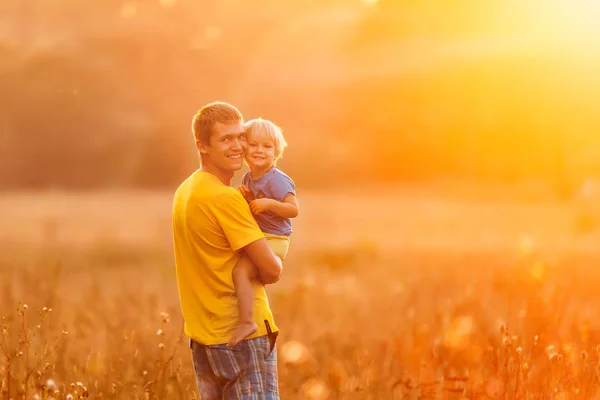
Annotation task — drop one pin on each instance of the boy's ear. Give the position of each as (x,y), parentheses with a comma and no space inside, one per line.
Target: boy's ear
(201,147)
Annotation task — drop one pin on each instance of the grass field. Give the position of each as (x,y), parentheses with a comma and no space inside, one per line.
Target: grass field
(387,293)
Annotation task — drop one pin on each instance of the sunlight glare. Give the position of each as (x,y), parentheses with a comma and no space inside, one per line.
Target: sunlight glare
(128,10)
(571,18)
(167,3)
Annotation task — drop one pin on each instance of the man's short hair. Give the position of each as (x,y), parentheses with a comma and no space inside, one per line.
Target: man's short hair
(261,126)
(206,117)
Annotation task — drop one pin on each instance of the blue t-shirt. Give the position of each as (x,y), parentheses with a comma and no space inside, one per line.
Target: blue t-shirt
(273,185)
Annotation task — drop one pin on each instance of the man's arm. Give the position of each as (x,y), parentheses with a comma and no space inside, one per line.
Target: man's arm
(266,262)
(288,208)
(243,234)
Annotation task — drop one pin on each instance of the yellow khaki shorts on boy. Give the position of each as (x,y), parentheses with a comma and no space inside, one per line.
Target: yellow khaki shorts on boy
(279,244)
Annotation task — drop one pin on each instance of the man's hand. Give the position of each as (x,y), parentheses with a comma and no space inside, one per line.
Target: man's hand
(266,262)
(260,205)
(247,193)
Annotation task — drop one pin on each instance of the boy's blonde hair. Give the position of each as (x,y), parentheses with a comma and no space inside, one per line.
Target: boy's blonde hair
(263,126)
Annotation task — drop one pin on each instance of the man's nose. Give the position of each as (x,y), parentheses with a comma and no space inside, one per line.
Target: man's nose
(239,144)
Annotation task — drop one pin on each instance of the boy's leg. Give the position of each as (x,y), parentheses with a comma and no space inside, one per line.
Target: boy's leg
(243,273)
(279,245)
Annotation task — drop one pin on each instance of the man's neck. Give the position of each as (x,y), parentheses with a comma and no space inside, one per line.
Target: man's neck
(223,176)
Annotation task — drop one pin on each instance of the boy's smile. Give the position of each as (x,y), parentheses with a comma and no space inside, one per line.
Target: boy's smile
(261,153)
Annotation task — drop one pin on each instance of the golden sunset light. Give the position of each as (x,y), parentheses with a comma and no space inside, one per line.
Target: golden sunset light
(317,199)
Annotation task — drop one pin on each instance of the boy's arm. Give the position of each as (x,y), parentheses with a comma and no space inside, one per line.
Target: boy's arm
(267,263)
(288,208)
(243,188)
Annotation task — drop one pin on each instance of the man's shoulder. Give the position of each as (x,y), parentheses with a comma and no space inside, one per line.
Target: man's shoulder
(183,191)
(203,189)
(217,195)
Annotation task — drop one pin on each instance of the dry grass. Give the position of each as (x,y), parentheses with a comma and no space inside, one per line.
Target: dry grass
(407,295)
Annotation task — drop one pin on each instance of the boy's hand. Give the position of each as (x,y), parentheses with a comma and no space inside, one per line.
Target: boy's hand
(246,192)
(259,205)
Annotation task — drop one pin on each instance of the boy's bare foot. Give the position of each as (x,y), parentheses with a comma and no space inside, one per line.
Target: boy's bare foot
(243,330)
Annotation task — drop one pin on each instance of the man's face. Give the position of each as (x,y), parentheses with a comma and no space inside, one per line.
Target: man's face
(227,147)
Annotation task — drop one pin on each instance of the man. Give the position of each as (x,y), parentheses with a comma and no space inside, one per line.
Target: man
(212,224)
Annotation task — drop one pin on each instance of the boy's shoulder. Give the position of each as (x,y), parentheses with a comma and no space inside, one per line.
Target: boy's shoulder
(280,184)
(280,174)
(279,180)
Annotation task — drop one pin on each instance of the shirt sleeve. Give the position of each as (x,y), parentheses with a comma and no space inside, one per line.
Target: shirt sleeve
(281,186)
(238,224)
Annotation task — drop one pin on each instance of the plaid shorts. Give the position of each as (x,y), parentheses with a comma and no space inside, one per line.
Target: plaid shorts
(247,371)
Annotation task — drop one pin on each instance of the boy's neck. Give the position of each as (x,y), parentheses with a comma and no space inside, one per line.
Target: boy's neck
(259,172)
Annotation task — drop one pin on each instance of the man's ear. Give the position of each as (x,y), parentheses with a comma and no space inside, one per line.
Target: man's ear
(201,147)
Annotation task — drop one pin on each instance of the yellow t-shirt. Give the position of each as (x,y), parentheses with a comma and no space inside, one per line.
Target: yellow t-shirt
(211,222)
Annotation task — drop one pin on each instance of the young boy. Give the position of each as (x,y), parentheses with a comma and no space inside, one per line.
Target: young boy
(272,198)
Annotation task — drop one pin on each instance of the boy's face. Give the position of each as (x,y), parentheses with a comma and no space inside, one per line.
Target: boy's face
(261,152)
(226,148)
